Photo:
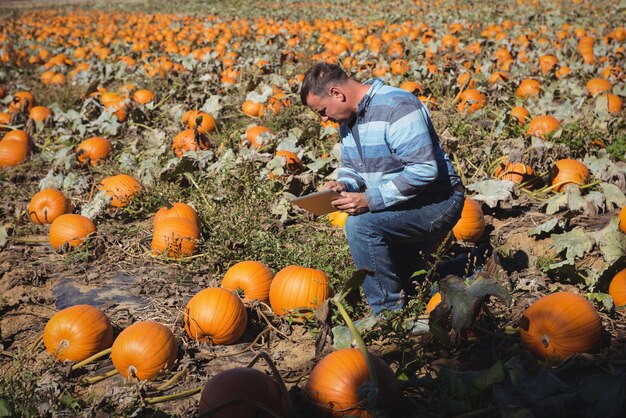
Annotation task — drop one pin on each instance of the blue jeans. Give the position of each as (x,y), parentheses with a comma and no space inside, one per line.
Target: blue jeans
(388,243)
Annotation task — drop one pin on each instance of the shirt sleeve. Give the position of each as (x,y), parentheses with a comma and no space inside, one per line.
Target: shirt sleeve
(409,139)
(348,175)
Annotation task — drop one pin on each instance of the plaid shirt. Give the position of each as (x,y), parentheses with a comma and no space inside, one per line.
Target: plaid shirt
(392,150)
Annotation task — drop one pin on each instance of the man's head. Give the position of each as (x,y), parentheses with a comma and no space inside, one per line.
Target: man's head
(329,92)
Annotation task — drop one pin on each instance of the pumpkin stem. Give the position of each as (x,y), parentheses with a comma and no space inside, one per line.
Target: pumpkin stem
(96,379)
(545,340)
(91,359)
(179,395)
(277,377)
(62,346)
(170,382)
(36,343)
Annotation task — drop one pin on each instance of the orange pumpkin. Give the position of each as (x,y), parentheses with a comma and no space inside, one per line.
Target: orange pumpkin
(542,125)
(411,86)
(13,152)
(5,119)
(520,114)
(70,228)
(299,289)
(122,188)
(250,279)
(293,164)
(93,150)
(567,171)
(47,205)
(622,219)
(206,122)
(144,349)
(143,96)
(77,333)
(257,135)
(559,325)
(515,172)
(598,85)
(39,113)
(238,387)
(472,223)
(251,108)
(338,218)
(17,135)
(471,101)
(175,237)
(617,288)
(190,140)
(528,88)
(334,384)
(216,316)
(547,63)
(434,301)
(22,101)
(613,103)
(177,210)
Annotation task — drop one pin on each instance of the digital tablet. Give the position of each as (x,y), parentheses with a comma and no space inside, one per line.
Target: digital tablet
(318,203)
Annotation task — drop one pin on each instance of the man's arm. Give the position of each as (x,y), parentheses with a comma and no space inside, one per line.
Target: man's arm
(409,138)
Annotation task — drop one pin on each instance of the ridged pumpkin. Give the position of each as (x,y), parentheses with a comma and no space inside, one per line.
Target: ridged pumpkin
(472,223)
(542,125)
(598,85)
(5,118)
(177,210)
(299,289)
(144,349)
(251,108)
(175,237)
(122,188)
(77,333)
(191,116)
(93,149)
(520,114)
(617,288)
(13,152)
(528,88)
(39,113)
(515,172)
(241,384)
(471,101)
(70,228)
(216,316)
(17,135)
(257,135)
(434,301)
(338,218)
(559,325)
(622,219)
(566,172)
(250,279)
(334,383)
(143,96)
(189,140)
(47,205)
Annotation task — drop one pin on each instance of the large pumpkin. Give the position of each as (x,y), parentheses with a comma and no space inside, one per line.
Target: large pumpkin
(333,386)
(47,205)
(93,150)
(251,279)
(77,332)
(122,188)
(13,152)
(617,288)
(237,386)
(472,223)
(175,237)
(559,325)
(143,349)
(298,289)
(70,228)
(177,210)
(215,315)
(566,172)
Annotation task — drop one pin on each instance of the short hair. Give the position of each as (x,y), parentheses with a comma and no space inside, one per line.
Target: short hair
(318,79)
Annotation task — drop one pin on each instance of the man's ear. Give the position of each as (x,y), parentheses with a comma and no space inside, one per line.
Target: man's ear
(337,93)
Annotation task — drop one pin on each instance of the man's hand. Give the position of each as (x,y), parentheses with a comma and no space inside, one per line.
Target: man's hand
(335,186)
(352,203)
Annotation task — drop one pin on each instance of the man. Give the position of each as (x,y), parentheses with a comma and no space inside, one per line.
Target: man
(395,179)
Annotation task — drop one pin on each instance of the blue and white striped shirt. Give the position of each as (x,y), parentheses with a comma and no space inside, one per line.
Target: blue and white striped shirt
(392,150)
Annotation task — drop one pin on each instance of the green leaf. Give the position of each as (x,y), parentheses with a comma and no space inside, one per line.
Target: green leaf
(6,408)
(4,234)
(575,243)
(354,282)
(613,196)
(547,227)
(494,191)
(607,300)
(612,245)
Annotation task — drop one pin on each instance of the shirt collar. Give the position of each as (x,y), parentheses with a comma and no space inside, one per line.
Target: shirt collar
(375,84)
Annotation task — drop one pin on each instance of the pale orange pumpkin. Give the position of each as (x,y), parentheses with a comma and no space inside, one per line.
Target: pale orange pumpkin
(175,237)
(77,333)
(144,349)
(298,289)
(250,279)
(559,325)
(47,205)
(216,316)
(333,386)
(617,288)
(122,188)
(70,228)
(472,223)
(93,150)
(568,171)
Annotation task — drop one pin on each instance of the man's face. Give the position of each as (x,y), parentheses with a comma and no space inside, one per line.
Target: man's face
(333,107)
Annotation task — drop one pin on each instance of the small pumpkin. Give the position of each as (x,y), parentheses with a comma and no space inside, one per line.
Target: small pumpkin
(622,219)
(543,125)
(559,325)
(528,88)
(216,316)
(40,113)
(257,135)
(190,118)
(298,289)
(516,172)
(13,152)
(190,140)
(143,96)
(293,164)
(175,237)
(70,228)
(177,210)
(251,108)
(471,101)
(334,384)
(617,288)
(250,279)
(520,114)
(122,188)
(22,101)
(433,302)
(77,333)
(338,218)
(93,150)
(472,223)
(598,85)
(144,349)
(47,205)
(568,171)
